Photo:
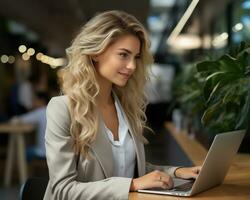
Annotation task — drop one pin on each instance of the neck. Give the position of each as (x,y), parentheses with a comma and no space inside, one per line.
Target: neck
(104,97)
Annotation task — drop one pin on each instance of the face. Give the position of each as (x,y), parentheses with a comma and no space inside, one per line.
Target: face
(118,62)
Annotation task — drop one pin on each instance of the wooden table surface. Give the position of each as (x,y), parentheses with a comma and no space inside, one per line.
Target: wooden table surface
(16,128)
(16,149)
(236,185)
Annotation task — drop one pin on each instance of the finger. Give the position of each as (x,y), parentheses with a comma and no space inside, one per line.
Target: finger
(163,185)
(195,170)
(167,180)
(195,176)
(158,184)
(170,183)
(198,169)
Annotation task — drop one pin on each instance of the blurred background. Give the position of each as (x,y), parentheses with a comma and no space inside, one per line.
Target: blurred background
(200,78)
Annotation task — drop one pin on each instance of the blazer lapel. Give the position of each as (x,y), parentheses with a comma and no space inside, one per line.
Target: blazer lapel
(103,151)
(139,152)
(140,155)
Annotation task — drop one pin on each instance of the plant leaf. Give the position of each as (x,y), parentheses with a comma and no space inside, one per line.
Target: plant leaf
(229,94)
(245,111)
(207,66)
(208,114)
(190,96)
(215,74)
(213,92)
(229,63)
(207,88)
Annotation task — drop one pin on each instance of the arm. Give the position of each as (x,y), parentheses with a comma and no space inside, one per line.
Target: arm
(62,161)
(33,116)
(176,172)
(161,176)
(170,170)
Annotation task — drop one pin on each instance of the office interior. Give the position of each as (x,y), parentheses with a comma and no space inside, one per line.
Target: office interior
(184,95)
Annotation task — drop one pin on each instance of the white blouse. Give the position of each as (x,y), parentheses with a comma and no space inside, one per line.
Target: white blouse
(123,150)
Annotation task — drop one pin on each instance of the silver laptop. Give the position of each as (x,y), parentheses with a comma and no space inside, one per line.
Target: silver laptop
(214,168)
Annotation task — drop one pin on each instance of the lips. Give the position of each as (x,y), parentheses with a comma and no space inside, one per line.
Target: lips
(126,75)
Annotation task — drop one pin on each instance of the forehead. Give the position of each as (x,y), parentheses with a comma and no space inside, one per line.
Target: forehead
(129,42)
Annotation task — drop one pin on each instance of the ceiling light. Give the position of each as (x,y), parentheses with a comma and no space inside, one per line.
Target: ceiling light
(11,59)
(238,27)
(4,58)
(186,42)
(220,40)
(22,48)
(31,51)
(39,56)
(182,21)
(25,56)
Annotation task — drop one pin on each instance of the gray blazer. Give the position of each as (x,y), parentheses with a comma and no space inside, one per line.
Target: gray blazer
(72,177)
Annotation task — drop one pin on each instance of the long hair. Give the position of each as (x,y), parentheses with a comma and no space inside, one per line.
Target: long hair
(79,83)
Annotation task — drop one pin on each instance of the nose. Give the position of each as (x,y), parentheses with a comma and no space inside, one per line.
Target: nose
(132,64)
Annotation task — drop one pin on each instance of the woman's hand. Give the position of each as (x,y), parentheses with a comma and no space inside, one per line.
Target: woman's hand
(188,172)
(152,180)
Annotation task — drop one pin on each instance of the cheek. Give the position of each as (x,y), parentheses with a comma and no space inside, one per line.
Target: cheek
(105,68)
(111,65)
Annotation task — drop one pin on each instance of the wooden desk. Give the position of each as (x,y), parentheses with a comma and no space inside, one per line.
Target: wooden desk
(236,185)
(16,146)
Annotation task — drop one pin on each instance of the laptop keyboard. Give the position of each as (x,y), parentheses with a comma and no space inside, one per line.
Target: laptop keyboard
(183,187)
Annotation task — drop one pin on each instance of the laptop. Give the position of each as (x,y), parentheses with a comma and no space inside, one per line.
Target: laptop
(213,170)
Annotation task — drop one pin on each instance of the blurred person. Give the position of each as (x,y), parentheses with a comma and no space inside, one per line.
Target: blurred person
(22,91)
(36,116)
(94,141)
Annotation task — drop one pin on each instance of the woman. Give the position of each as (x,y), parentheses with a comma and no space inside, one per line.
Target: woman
(94,142)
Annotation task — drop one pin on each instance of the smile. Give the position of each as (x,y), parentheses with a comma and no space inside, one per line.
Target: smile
(125,75)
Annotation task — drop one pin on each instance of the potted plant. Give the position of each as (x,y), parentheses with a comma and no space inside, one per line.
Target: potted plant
(226,92)
(188,99)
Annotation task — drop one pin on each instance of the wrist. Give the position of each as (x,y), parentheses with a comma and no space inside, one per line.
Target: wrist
(177,172)
(133,186)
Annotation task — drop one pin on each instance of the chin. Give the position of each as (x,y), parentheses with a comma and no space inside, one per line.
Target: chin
(121,84)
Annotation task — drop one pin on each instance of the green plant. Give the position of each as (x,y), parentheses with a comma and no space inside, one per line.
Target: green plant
(187,90)
(226,90)
(187,95)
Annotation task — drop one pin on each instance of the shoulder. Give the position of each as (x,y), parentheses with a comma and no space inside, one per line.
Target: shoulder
(58,119)
(58,102)
(58,108)
(59,99)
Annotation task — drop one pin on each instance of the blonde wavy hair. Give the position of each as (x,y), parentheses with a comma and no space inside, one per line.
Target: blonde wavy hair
(79,83)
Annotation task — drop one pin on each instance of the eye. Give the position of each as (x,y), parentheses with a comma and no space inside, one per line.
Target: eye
(123,55)
(138,57)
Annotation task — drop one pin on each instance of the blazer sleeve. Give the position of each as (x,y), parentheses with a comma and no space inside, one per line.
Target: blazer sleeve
(170,170)
(61,160)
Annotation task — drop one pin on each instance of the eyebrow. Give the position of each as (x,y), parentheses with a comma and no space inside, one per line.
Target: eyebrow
(128,51)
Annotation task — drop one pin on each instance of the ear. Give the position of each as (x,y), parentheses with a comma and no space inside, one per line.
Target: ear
(95,58)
